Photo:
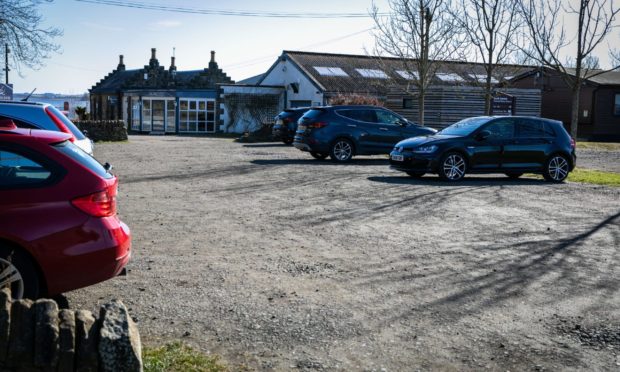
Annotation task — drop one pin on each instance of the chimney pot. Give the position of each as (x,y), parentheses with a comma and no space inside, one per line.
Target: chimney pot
(120,59)
(153,50)
(213,56)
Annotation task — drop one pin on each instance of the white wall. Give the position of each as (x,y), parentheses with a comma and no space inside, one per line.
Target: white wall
(286,73)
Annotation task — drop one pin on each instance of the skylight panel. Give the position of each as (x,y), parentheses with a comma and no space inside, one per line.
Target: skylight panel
(369,73)
(482,78)
(449,77)
(408,75)
(330,71)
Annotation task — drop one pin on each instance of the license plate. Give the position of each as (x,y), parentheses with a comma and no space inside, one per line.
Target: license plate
(398,158)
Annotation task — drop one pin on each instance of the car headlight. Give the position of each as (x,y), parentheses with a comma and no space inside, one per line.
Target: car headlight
(425,149)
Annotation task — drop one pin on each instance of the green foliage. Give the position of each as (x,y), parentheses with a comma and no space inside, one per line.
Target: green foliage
(595,177)
(603,146)
(80,111)
(179,357)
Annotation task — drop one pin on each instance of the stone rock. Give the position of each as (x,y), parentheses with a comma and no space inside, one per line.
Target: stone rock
(5,322)
(46,333)
(21,340)
(86,331)
(120,349)
(66,344)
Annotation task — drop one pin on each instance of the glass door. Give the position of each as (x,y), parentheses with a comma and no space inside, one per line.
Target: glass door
(157,108)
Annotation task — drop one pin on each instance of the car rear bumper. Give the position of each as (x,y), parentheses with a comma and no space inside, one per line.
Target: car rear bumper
(103,254)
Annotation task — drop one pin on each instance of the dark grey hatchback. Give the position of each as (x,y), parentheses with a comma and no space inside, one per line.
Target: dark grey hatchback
(344,131)
(510,145)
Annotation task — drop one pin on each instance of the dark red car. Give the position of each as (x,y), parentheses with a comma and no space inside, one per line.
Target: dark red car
(59,229)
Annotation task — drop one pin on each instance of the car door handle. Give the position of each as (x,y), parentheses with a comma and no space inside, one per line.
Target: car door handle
(352,125)
(385,129)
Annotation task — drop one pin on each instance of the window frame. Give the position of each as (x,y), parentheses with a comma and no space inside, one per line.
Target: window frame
(57,172)
(616,105)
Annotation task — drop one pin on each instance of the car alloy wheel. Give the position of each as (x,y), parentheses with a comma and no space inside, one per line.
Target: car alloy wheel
(557,169)
(453,167)
(11,278)
(342,150)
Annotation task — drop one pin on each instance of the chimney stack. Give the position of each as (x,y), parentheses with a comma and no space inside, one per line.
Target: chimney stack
(153,50)
(213,56)
(173,67)
(121,64)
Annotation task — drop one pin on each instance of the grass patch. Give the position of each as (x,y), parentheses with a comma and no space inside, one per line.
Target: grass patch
(594,177)
(604,146)
(179,357)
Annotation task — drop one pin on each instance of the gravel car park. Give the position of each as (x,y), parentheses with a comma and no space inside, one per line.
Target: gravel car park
(279,262)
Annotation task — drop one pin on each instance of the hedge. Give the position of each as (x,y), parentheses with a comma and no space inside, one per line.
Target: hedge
(104,130)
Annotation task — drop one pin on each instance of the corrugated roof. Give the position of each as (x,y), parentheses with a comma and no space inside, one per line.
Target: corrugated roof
(359,79)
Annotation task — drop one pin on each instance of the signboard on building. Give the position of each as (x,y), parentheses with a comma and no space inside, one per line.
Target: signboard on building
(6,92)
(503,104)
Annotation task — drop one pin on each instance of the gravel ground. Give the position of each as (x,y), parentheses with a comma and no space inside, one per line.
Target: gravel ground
(277,261)
(604,160)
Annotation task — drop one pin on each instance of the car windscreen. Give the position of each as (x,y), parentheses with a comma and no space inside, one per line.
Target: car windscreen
(76,132)
(465,127)
(77,154)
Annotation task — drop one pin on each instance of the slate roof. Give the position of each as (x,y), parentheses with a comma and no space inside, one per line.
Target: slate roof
(355,82)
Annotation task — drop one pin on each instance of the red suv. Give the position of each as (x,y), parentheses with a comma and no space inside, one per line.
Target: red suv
(58,225)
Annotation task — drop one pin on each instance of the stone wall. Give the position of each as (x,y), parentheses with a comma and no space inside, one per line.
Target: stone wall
(104,130)
(37,336)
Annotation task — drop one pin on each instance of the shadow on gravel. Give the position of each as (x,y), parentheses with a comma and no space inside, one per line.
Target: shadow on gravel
(326,162)
(221,172)
(268,145)
(467,181)
(492,275)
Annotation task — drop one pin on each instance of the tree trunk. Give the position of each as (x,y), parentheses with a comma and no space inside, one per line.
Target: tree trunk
(421,107)
(574,120)
(487,96)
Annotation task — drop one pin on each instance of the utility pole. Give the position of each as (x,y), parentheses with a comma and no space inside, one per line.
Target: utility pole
(6,63)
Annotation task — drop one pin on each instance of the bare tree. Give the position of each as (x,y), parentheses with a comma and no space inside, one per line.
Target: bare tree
(490,27)
(422,34)
(548,40)
(22,30)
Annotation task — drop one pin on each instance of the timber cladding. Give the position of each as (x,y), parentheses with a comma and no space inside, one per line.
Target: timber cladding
(445,105)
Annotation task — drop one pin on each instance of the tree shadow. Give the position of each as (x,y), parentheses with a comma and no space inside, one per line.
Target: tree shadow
(324,162)
(483,275)
(433,180)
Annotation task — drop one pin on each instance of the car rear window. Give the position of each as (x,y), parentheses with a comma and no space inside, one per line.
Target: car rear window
(83,158)
(313,114)
(76,132)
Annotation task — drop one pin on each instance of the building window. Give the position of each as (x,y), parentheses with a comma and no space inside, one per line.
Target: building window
(197,115)
(135,113)
(408,103)
(617,104)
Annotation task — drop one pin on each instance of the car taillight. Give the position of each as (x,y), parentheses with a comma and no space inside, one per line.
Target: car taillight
(99,204)
(61,126)
(318,124)
(573,144)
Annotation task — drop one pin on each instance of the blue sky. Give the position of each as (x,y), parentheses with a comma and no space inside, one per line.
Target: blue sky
(95,34)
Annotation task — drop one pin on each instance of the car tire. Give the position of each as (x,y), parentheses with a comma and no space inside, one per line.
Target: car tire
(514,176)
(341,151)
(452,167)
(318,155)
(18,273)
(556,168)
(416,174)
(288,141)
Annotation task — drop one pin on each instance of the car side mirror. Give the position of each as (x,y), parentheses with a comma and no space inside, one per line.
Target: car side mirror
(482,135)
(402,123)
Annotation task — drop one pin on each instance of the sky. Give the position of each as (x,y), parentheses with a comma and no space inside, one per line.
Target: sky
(96,34)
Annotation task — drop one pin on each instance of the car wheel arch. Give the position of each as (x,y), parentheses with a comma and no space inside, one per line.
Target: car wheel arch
(41,274)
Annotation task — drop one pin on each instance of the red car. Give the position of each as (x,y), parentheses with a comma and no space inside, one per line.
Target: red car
(58,225)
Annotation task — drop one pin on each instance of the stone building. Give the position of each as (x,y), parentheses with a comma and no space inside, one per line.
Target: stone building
(156,99)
